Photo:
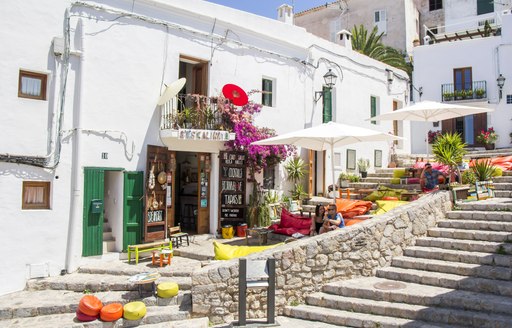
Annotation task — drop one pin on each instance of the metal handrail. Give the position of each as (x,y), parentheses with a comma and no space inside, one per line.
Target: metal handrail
(462,91)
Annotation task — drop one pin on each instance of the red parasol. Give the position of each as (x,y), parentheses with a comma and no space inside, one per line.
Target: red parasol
(236,94)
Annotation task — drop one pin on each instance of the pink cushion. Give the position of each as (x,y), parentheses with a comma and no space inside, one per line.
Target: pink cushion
(293,221)
(413,180)
(436,166)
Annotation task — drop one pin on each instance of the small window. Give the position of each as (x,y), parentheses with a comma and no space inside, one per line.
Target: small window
(269,177)
(267,92)
(351,159)
(377,158)
(32,85)
(374,108)
(380,21)
(509,99)
(435,124)
(36,195)
(435,4)
(484,7)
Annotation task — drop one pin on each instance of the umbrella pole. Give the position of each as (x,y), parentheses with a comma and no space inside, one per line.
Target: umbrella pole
(426,139)
(334,184)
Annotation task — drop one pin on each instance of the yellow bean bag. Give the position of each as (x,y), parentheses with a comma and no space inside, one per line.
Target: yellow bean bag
(134,310)
(228,252)
(399,173)
(167,289)
(384,206)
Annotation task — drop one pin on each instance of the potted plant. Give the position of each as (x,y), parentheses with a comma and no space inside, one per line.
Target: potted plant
(362,165)
(344,180)
(449,150)
(296,170)
(469,93)
(487,138)
(447,96)
(480,93)
(483,169)
(459,94)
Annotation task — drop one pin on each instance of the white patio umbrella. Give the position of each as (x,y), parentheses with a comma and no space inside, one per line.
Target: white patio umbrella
(429,111)
(328,136)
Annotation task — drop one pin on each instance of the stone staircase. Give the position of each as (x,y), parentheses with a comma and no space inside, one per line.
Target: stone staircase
(459,275)
(109,241)
(52,302)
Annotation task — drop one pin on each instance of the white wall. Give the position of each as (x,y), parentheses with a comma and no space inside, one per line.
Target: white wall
(114,86)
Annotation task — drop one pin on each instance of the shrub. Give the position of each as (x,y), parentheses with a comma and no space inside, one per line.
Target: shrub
(483,169)
(468,177)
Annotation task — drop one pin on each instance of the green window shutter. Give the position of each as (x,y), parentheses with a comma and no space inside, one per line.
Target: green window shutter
(484,7)
(327,110)
(373,108)
(266,97)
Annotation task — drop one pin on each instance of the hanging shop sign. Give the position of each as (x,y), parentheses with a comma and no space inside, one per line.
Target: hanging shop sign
(232,187)
(212,135)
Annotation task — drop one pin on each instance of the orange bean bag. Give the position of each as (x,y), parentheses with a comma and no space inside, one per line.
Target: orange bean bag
(111,312)
(84,317)
(90,305)
(350,208)
(389,198)
(504,162)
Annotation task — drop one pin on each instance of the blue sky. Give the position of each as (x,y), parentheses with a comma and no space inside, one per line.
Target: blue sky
(268,8)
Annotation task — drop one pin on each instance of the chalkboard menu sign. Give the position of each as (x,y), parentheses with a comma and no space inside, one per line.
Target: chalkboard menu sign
(232,187)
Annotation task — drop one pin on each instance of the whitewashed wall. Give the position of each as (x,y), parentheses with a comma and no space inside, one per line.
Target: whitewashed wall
(114,84)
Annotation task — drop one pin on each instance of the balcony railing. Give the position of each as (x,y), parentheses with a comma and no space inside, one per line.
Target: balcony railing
(475,90)
(189,111)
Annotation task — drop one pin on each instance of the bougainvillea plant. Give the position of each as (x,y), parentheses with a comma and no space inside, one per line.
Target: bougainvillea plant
(433,135)
(242,124)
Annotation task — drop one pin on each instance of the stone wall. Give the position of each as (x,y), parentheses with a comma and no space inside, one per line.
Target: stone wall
(304,266)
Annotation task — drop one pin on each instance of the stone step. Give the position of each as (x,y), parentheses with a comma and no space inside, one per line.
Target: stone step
(377,180)
(503,193)
(503,179)
(466,245)
(380,175)
(480,258)
(480,215)
(494,236)
(109,246)
(459,268)
(80,282)
(353,319)
(417,294)
(476,225)
(180,267)
(447,280)
(108,236)
(434,315)
(154,315)
(503,185)
(491,204)
(389,169)
(46,302)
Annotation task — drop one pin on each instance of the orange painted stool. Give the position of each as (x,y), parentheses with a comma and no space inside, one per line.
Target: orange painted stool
(164,256)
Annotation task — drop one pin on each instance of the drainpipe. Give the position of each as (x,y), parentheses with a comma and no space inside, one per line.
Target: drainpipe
(75,221)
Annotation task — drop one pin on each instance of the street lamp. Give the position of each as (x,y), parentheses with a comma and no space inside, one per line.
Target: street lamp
(501,82)
(330,81)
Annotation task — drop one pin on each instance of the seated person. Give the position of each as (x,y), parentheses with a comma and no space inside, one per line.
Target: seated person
(332,219)
(318,220)
(429,179)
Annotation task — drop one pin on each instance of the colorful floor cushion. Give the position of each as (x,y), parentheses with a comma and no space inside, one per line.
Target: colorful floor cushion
(90,305)
(228,252)
(134,310)
(435,166)
(399,173)
(384,206)
(503,162)
(111,312)
(167,289)
(84,317)
(291,223)
(350,208)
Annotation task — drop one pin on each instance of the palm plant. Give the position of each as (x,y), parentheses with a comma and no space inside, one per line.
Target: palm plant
(483,169)
(372,46)
(296,170)
(449,150)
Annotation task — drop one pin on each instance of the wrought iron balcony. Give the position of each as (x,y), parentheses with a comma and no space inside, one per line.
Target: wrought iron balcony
(190,111)
(465,91)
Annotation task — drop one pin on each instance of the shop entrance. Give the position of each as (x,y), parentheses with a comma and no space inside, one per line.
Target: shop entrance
(192,204)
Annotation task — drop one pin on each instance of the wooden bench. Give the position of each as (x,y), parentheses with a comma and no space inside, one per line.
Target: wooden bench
(176,236)
(141,248)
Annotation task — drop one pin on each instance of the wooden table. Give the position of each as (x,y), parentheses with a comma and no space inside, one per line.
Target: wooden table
(261,233)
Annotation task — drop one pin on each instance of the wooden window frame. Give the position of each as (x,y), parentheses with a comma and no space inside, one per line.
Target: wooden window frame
(46,197)
(34,75)
(464,81)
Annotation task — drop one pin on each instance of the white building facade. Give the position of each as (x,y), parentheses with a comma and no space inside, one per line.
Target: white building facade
(84,134)
(442,70)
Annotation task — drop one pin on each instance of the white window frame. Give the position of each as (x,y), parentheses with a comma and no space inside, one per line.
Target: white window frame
(380,21)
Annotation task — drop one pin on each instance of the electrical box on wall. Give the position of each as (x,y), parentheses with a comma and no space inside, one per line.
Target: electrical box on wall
(58,46)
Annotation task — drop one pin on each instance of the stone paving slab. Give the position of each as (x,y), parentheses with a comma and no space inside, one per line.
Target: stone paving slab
(45,302)
(480,215)
(447,280)
(354,319)
(452,255)
(417,294)
(406,311)
(80,282)
(458,268)
(154,315)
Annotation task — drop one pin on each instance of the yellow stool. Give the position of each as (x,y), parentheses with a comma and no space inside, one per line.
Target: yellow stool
(134,310)
(167,289)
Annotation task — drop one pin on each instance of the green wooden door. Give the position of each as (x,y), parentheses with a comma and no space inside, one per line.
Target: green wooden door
(327,105)
(94,182)
(133,201)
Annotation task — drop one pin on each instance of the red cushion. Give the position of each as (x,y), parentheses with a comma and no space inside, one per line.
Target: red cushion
(90,305)
(292,221)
